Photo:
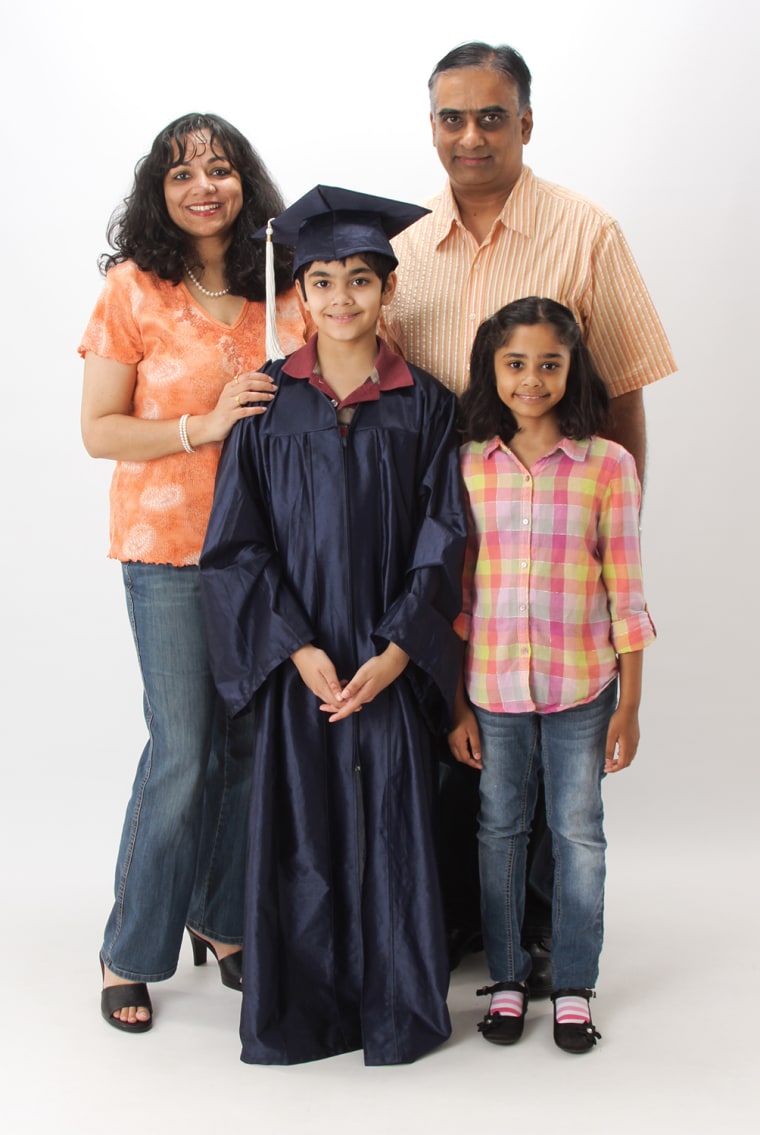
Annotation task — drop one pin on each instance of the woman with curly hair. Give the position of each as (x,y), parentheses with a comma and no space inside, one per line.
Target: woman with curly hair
(171,355)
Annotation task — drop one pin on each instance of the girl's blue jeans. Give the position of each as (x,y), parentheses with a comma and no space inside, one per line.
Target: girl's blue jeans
(569,747)
(181,857)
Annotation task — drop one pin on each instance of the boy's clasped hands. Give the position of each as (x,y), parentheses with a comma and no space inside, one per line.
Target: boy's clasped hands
(341,699)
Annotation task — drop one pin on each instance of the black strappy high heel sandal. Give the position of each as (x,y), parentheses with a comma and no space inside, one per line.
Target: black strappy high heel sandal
(230,968)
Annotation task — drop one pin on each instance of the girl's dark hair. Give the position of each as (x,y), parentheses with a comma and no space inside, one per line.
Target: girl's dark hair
(582,411)
(141,230)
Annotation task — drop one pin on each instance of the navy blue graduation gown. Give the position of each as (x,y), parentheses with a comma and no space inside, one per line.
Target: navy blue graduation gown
(348,543)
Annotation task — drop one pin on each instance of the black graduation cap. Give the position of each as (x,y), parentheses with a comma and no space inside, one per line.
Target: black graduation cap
(329,223)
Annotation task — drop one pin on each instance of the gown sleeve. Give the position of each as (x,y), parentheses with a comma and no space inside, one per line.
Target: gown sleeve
(242,583)
(420,620)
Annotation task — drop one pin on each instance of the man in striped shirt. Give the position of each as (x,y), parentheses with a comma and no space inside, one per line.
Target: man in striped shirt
(497,233)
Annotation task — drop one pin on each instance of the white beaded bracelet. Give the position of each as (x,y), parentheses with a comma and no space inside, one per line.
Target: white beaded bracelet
(188,448)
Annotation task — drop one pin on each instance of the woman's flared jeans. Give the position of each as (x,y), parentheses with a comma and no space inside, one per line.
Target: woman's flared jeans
(182,852)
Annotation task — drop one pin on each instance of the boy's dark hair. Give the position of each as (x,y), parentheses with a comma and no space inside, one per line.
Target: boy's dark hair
(582,411)
(381,265)
(140,228)
(501,58)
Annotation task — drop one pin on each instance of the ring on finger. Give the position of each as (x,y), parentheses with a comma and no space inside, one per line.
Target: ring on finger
(237,399)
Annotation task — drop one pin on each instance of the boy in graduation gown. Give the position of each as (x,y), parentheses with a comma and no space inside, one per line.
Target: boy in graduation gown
(331,577)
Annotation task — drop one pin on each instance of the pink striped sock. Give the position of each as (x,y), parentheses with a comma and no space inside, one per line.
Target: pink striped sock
(507,1002)
(571,1011)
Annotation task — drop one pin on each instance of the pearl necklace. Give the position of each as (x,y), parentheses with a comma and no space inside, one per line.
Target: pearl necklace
(200,287)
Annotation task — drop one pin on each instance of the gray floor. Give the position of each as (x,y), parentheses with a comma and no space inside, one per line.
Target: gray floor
(677,994)
(670,1060)
(677,997)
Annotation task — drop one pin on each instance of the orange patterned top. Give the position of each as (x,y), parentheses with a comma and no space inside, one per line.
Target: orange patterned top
(160,508)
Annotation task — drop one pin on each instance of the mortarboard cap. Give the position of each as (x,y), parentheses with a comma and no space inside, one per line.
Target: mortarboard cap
(329,223)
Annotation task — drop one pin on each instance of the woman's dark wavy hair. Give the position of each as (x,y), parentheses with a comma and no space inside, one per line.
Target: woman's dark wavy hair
(141,230)
(582,411)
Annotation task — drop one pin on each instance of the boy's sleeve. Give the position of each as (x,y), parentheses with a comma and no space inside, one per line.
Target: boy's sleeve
(242,584)
(420,621)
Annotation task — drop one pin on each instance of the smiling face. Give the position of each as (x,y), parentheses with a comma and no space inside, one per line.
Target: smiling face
(344,299)
(203,193)
(479,130)
(531,371)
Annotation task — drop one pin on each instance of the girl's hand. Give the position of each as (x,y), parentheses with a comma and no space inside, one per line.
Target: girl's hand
(623,731)
(244,396)
(318,673)
(464,738)
(368,681)
(623,735)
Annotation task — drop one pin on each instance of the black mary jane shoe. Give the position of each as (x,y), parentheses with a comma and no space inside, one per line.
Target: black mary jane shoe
(230,967)
(497,1028)
(576,1037)
(116,997)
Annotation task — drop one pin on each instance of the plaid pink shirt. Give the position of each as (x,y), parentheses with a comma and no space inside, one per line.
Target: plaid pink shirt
(552,582)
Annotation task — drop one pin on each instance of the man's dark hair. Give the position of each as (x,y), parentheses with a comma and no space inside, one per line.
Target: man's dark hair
(502,58)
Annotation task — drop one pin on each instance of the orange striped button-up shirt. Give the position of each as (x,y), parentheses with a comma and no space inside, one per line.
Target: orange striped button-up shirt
(546,241)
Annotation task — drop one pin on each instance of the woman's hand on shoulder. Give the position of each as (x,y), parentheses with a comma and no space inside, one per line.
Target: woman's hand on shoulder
(110,428)
(244,396)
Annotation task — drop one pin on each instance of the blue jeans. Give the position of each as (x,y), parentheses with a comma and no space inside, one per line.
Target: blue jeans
(181,858)
(569,748)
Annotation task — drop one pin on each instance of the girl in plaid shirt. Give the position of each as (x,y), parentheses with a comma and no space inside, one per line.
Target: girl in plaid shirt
(555,623)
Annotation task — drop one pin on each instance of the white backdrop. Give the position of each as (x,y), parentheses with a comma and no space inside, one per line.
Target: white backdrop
(647,108)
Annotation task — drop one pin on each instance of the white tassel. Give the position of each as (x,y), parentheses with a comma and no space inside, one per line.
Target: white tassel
(274,350)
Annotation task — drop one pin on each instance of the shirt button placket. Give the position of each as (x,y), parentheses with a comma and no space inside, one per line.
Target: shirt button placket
(523,615)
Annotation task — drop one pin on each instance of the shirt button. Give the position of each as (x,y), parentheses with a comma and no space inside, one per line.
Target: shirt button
(522,606)
(524,564)
(333,402)
(525,520)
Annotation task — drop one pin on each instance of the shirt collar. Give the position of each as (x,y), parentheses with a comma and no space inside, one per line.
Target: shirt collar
(575,450)
(518,213)
(392,371)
